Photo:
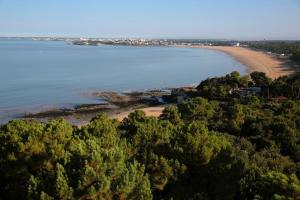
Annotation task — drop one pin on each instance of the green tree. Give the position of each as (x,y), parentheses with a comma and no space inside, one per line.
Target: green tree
(260,79)
(196,109)
(62,189)
(275,185)
(171,114)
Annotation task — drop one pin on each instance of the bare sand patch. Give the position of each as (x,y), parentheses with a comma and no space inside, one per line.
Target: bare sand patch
(149,111)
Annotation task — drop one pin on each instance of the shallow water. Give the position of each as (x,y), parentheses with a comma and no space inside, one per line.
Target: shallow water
(38,75)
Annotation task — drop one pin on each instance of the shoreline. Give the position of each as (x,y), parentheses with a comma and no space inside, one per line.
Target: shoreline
(254,60)
(116,106)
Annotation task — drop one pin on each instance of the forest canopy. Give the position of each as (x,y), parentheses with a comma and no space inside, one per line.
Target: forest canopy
(214,145)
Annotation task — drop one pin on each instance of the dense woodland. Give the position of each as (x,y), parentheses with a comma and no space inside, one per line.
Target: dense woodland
(215,145)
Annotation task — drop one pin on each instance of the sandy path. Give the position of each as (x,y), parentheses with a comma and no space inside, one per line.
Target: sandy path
(149,111)
(254,60)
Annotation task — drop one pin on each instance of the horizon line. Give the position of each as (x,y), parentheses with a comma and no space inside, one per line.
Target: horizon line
(167,38)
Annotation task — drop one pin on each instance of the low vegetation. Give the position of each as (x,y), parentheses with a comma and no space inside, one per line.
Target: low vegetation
(215,145)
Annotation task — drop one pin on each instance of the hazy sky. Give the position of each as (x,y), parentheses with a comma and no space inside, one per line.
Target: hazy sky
(221,19)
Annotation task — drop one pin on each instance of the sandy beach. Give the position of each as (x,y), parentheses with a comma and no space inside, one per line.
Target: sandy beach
(255,60)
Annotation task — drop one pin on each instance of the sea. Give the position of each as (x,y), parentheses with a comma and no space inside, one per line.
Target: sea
(40,75)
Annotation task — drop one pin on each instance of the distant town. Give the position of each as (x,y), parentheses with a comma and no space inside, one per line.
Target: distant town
(133,41)
(153,42)
(278,48)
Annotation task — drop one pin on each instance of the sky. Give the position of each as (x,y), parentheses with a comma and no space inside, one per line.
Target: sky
(203,19)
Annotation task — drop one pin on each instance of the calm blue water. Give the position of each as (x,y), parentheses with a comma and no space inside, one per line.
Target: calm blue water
(36,75)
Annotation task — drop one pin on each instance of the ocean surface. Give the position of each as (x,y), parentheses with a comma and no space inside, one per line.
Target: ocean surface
(40,75)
